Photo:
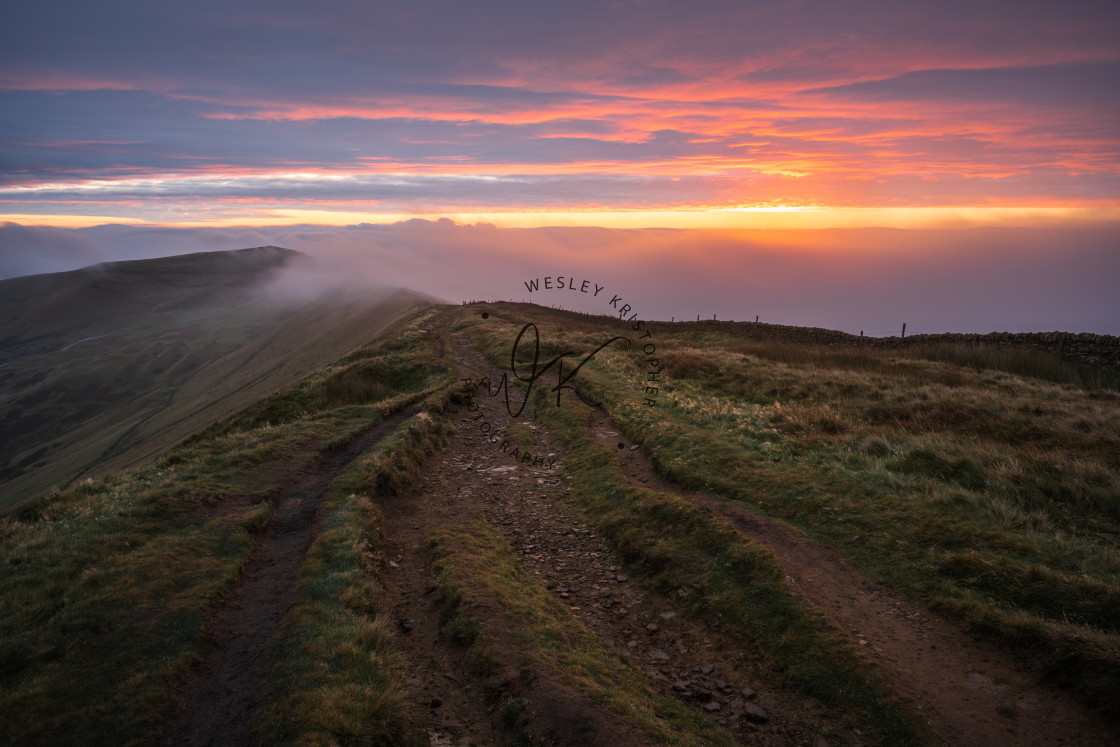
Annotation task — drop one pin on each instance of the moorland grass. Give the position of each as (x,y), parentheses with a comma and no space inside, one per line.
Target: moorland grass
(993,496)
(730,582)
(906,360)
(335,678)
(105,588)
(996,500)
(107,585)
(146,381)
(375,374)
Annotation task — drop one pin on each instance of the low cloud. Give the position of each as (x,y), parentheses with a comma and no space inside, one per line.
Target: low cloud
(31,250)
(970,280)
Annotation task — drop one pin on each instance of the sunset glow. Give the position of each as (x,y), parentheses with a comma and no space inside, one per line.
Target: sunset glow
(674,117)
(956,163)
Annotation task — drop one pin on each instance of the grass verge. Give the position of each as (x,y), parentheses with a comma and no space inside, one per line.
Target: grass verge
(476,561)
(335,679)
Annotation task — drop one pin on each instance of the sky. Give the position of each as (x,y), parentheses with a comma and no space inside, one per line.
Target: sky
(714,119)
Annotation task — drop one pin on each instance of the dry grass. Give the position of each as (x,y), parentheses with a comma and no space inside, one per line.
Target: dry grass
(105,588)
(908,460)
(475,560)
(931,465)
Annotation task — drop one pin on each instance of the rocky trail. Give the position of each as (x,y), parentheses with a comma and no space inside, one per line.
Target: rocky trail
(451,704)
(530,508)
(968,692)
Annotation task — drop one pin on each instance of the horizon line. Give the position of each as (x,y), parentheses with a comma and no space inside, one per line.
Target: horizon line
(738,218)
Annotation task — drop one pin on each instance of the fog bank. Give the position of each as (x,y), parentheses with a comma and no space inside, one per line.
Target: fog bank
(868,279)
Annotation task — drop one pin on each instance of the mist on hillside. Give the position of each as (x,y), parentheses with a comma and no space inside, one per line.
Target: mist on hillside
(867,279)
(102,368)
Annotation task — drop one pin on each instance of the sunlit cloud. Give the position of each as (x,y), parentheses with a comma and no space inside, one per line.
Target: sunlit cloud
(264,111)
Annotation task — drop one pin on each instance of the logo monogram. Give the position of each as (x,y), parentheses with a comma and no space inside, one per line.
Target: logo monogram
(536,370)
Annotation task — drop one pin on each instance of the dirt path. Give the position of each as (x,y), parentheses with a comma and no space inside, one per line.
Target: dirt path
(532,509)
(970,692)
(217,705)
(451,704)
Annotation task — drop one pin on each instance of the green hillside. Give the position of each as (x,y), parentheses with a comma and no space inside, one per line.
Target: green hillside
(101,368)
(794,544)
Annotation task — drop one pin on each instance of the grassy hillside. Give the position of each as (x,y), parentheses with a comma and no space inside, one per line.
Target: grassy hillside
(993,496)
(104,367)
(108,588)
(450,593)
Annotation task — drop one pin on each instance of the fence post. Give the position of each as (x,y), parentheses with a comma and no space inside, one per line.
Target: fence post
(904,329)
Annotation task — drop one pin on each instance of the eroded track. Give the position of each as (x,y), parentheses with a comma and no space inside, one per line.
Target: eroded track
(216,706)
(968,691)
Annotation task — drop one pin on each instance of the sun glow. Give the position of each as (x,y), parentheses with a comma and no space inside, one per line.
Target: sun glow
(739,217)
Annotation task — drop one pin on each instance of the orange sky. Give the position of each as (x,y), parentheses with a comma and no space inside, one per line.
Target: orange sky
(617,114)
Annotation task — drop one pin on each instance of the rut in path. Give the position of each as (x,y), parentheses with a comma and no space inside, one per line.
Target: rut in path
(532,509)
(224,696)
(969,691)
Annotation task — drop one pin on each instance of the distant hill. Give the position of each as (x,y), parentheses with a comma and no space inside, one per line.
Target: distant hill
(103,367)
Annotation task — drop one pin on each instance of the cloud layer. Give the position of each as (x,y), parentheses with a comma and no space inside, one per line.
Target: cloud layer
(974,280)
(208,111)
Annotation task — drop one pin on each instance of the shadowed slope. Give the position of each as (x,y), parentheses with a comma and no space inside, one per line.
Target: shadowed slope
(105,367)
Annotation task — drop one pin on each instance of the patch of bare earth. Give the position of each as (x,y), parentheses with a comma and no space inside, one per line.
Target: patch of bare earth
(450,702)
(216,703)
(968,690)
(531,507)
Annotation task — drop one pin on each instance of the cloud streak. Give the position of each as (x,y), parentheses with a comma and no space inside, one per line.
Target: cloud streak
(635,104)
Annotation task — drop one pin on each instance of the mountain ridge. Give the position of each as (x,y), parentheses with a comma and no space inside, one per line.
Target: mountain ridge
(105,366)
(779,549)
